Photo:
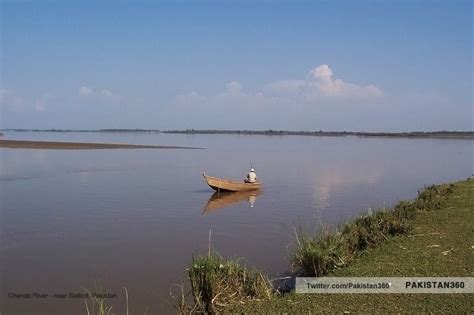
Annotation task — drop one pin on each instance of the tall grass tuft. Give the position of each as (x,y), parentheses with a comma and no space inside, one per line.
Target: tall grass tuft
(217,283)
(316,256)
(98,303)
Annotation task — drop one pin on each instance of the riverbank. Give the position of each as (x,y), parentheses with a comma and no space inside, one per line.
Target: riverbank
(55,145)
(321,133)
(440,244)
(430,236)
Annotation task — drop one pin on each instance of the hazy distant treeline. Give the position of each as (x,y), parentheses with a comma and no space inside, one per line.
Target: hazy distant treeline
(270,132)
(85,130)
(414,134)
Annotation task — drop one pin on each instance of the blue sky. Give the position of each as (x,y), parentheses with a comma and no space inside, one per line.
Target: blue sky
(339,65)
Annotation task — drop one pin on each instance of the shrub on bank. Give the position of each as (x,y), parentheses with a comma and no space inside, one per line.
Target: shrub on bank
(431,197)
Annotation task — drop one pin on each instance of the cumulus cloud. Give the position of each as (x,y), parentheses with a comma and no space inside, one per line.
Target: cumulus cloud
(233,87)
(85,90)
(189,99)
(9,98)
(320,87)
(98,94)
(322,72)
(234,98)
(12,101)
(106,93)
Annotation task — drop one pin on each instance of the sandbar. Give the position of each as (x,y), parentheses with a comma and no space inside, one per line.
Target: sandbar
(56,145)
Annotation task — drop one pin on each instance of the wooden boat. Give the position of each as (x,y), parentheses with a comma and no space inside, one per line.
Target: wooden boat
(220,200)
(219,184)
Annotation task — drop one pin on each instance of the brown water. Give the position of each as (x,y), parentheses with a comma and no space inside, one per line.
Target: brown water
(133,218)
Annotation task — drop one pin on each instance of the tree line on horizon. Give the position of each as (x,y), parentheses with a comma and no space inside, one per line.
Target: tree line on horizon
(441,133)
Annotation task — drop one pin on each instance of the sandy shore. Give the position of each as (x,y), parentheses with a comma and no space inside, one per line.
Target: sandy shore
(23,144)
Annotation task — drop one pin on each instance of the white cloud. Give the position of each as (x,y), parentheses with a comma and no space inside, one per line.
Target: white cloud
(184,100)
(284,88)
(319,88)
(10,100)
(85,90)
(106,93)
(322,72)
(98,94)
(233,87)
(321,85)
(233,98)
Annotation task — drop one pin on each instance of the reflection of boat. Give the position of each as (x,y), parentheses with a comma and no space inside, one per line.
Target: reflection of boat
(225,199)
(220,184)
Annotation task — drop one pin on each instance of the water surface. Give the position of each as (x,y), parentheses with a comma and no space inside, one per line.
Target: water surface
(114,218)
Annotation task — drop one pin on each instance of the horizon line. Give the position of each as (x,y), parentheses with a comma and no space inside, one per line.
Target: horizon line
(192,130)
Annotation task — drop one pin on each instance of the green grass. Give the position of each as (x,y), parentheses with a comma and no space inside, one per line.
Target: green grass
(436,238)
(217,283)
(318,255)
(98,305)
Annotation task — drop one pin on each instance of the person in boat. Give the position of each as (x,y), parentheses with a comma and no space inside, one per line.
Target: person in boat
(251,176)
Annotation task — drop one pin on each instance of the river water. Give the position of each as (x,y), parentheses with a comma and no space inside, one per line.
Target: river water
(74,219)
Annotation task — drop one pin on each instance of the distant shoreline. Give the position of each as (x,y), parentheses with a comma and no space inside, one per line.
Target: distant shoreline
(22,144)
(416,134)
(413,134)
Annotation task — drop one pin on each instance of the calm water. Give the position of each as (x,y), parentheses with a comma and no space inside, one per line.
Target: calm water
(114,218)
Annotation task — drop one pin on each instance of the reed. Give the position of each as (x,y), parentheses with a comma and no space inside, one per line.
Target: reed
(98,303)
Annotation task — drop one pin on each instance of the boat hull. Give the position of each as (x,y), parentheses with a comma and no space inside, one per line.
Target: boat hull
(219,184)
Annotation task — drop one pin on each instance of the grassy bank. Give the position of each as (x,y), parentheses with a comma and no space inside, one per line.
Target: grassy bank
(439,244)
(430,236)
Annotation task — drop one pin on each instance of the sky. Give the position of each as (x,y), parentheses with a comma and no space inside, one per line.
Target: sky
(300,65)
